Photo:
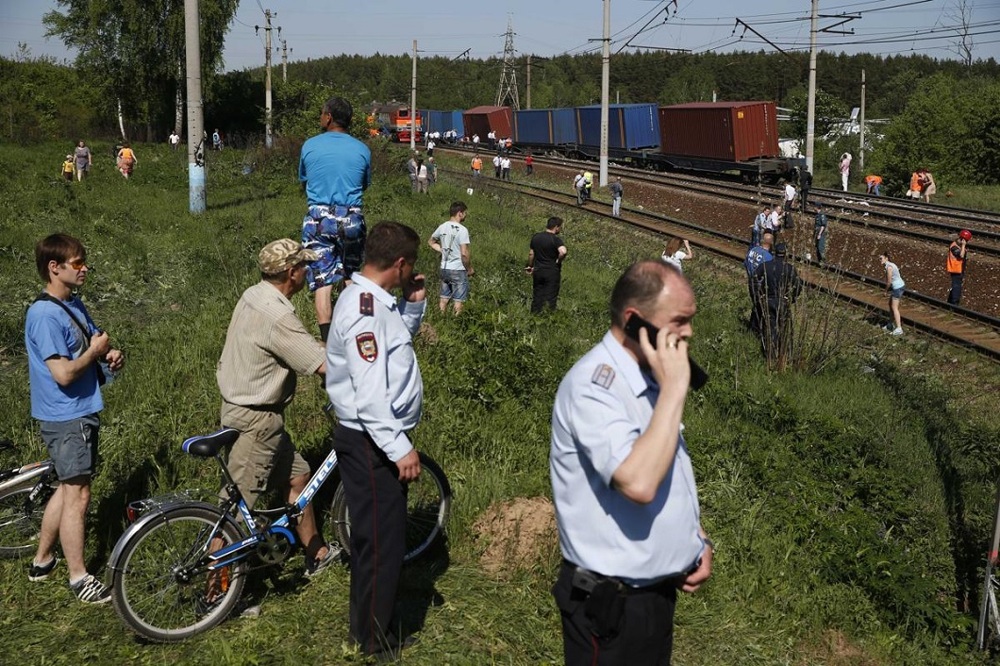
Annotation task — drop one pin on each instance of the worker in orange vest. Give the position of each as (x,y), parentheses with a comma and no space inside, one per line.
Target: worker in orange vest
(956,265)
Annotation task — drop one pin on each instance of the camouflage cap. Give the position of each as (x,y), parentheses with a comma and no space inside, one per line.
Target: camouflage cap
(282,254)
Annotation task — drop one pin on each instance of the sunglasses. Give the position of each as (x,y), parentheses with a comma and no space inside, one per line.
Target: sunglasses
(77,264)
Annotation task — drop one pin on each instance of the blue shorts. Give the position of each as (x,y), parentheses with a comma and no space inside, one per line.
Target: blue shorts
(898,293)
(454,285)
(337,235)
(72,445)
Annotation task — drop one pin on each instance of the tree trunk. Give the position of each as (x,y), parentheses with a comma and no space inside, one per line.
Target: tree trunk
(121,120)
(179,100)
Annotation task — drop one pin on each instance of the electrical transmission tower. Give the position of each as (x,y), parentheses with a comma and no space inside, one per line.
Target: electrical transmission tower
(507,90)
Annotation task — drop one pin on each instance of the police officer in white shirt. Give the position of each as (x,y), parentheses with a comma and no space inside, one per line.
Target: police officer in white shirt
(374,384)
(622,480)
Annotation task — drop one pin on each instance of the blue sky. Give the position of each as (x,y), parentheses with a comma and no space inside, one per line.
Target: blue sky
(318,28)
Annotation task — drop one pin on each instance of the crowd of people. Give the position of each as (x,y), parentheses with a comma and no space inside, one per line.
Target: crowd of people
(619,461)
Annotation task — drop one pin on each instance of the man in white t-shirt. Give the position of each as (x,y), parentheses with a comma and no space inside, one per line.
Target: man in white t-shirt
(451,240)
(174,140)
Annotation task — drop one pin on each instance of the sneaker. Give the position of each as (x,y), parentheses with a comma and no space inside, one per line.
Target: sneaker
(897,331)
(314,567)
(89,590)
(39,572)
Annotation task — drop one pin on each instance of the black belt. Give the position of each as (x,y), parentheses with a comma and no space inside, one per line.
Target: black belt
(586,580)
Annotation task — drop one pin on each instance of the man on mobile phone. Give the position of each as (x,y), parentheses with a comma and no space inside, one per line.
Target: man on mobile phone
(64,349)
(375,386)
(626,502)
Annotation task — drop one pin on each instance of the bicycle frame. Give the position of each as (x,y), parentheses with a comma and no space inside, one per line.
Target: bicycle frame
(281,526)
(26,475)
(988,607)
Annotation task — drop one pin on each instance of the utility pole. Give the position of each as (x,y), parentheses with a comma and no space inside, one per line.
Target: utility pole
(861,126)
(284,59)
(267,74)
(413,102)
(811,113)
(528,74)
(605,78)
(195,124)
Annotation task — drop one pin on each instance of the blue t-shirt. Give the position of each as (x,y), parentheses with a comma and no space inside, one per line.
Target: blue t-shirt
(755,257)
(49,332)
(336,169)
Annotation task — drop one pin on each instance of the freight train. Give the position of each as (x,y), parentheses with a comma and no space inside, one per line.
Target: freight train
(717,137)
(395,121)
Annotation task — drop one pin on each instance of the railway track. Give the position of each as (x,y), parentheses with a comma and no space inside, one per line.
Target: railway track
(920,222)
(960,326)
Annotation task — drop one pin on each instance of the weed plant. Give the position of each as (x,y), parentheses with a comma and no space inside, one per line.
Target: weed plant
(850,497)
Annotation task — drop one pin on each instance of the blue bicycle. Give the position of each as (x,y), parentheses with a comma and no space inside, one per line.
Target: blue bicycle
(180,568)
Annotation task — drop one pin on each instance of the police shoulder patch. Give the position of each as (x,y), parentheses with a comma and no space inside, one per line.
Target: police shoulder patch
(603,376)
(366,304)
(367,346)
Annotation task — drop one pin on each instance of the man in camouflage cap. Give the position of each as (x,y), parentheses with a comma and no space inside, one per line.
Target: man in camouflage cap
(266,346)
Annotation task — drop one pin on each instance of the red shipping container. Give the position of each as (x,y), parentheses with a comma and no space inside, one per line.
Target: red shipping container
(733,131)
(481,119)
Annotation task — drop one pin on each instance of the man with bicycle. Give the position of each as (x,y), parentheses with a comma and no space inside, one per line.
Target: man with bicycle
(65,349)
(375,386)
(266,346)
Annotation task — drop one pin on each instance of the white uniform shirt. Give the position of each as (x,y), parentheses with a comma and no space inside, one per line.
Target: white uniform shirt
(505,163)
(789,192)
(603,405)
(372,376)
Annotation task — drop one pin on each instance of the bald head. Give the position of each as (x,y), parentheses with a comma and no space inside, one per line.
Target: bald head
(644,286)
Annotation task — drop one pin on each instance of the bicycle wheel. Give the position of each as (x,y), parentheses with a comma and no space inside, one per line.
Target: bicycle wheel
(428,502)
(20,522)
(161,587)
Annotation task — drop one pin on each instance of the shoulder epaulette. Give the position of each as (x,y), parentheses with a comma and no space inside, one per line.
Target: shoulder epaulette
(603,376)
(366,304)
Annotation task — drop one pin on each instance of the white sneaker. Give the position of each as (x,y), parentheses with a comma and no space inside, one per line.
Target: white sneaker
(897,331)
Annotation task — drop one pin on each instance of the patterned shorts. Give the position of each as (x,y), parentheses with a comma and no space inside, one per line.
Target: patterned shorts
(337,234)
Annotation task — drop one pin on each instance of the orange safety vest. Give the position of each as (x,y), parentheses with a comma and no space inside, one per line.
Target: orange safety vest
(915,182)
(477,164)
(954,265)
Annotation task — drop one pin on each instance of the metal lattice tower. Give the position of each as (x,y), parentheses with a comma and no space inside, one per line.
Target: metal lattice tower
(507,90)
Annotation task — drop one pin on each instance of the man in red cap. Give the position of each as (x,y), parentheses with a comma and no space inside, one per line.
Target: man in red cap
(956,265)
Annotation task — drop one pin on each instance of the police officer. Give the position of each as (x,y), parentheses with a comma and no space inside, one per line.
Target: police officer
(622,480)
(374,384)
(779,287)
(266,345)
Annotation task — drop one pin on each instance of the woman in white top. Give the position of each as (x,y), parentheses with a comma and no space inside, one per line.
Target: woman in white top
(677,250)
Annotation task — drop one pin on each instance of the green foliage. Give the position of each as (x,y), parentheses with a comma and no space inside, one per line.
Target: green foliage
(42,101)
(842,503)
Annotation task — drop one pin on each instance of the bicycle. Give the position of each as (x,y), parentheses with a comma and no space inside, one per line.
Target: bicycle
(169,584)
(989,615)
(24,492)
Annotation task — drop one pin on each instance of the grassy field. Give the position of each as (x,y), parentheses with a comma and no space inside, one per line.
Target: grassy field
(850,497)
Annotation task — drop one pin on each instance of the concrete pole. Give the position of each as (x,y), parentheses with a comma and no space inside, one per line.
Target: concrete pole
(605,80)
(529,82)
(413,102)
(284,61)
(195,121)
(861,121)
(811,114)
(267,80)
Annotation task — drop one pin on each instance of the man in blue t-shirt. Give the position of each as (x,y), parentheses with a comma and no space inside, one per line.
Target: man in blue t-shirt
(335,169)
(64,350)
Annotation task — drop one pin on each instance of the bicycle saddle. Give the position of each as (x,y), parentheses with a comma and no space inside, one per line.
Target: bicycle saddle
(208,446)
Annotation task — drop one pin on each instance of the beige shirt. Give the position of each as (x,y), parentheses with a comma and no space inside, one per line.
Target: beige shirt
(266,345)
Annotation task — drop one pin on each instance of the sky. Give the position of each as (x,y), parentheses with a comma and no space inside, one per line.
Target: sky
(451,28)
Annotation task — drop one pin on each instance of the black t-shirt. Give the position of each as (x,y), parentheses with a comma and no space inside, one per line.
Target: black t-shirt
(546,248)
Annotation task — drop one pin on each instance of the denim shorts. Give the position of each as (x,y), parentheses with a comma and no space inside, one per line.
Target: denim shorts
(72,445)
(898,293)
(454,284)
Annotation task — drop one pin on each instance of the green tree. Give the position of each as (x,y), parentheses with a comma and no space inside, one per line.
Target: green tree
(133,50)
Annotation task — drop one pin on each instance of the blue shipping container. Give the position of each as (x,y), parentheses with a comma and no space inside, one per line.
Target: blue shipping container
(456,122)
(534,127)
(630,126)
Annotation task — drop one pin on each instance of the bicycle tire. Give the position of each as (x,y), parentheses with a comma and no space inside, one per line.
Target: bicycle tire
(147,591)
(428,504)
(20,522)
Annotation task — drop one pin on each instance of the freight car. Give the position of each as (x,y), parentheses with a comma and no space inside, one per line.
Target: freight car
(395,120)
(483,119)
(724,137)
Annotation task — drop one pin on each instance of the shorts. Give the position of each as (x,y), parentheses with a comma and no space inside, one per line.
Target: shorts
(337,234)
(454,285)
(72,445)
(898,293)
(263,458)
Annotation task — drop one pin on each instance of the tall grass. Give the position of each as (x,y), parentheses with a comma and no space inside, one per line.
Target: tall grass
(849,499)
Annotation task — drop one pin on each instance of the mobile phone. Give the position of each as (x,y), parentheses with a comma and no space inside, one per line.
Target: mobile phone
(632,325)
